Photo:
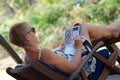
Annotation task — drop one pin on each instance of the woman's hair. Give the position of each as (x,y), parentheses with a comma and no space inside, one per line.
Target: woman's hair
(17,33)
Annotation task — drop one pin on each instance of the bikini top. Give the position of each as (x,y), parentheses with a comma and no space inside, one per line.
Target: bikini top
(39,55)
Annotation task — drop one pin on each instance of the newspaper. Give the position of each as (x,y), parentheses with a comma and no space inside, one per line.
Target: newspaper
(69,35)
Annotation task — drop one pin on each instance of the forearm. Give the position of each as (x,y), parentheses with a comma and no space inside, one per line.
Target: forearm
(77,58)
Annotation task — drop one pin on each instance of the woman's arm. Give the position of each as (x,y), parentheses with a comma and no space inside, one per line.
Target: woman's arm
(61,63)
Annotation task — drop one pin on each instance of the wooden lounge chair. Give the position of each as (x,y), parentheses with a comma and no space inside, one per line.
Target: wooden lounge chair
(38,70)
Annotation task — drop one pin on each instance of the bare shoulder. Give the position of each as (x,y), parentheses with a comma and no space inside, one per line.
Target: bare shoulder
(46,51)
(47,55)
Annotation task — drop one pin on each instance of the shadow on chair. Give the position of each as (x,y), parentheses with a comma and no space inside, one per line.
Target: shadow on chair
(37,70)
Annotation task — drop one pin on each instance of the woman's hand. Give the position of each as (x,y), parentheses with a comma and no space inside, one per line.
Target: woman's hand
(77,42)
(62,46)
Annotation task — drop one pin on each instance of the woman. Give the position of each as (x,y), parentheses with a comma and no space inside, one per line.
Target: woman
(23,35)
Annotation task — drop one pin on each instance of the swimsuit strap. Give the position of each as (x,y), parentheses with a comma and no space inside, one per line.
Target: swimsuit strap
(39,56)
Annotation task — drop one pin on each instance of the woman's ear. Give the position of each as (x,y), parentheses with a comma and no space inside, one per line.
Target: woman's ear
(27,37)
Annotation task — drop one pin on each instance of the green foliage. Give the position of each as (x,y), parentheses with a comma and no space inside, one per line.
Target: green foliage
(19,4)
(49,1)
(51,17)
(105,11)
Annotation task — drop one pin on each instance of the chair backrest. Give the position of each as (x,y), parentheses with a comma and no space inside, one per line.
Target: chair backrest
(9,49)
(35,71)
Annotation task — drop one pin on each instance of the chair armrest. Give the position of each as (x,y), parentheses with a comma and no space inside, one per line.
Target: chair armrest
(111,40)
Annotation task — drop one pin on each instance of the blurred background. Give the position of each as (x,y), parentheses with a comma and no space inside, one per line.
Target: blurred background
(50,18)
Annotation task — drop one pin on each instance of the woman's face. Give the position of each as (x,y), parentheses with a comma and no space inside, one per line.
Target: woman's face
(32,36)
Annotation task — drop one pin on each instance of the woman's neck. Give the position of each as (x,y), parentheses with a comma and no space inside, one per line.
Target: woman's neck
(32,52)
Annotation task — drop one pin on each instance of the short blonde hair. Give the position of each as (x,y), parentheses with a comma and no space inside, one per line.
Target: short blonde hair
(17,32)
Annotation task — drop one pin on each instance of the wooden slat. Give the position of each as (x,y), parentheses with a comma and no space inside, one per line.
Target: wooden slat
(111,40)
(16,76)
(35,71)
(106,62)
(40,68)
(84,77)
(10,51)
(107,70)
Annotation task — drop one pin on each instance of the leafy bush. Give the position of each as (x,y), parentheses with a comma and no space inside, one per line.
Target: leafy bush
(104,12)
(51,17)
